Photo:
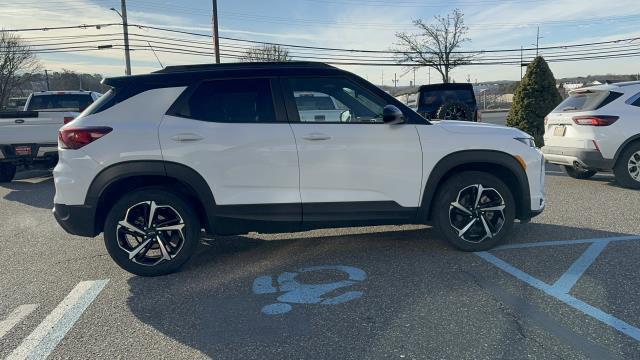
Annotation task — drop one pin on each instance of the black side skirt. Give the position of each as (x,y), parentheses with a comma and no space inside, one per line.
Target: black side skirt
(272,218)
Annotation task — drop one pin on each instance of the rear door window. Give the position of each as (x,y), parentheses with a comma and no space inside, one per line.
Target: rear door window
(229,101)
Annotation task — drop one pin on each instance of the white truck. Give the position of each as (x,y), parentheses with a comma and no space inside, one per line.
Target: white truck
(29,138)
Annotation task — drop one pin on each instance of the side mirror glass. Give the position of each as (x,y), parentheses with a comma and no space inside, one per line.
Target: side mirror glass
(392,115)
(345,116)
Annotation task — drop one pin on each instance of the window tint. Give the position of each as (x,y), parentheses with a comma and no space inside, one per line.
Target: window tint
(73,102)
(436,98)
(230,101)
(335,100)
(636,102)
(586,100)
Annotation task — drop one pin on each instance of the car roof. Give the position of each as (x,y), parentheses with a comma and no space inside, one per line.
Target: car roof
(183,75)
(449,86)
(63,92)
(615,86)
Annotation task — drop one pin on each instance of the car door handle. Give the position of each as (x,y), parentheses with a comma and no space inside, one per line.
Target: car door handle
(186,137)
(317,136)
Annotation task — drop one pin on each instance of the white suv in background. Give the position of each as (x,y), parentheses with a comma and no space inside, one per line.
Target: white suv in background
(597,129)
(223,148)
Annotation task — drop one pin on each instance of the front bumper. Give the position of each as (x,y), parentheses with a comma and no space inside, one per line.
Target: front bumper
(76,219)
(586,158)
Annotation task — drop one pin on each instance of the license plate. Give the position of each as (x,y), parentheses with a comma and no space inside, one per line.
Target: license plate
(22,150)
(559,131)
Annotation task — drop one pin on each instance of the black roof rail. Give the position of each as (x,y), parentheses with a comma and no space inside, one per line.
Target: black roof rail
(242,65)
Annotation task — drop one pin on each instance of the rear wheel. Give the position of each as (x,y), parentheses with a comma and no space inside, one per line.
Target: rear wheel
(474,211)
(7,172)
(151,232)
(627,169)
(578,173)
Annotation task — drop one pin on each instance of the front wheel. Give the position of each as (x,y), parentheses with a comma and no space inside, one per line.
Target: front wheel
(7,172)
(474,211)
(151,232)
(578,173)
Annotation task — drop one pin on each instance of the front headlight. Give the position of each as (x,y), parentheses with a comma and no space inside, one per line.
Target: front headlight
(527,141)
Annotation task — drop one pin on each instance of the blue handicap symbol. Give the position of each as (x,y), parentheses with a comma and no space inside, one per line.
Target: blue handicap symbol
(294,292)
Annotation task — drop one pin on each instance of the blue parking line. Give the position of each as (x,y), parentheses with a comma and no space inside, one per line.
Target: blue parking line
(571,276)
(565,242)
(557,292)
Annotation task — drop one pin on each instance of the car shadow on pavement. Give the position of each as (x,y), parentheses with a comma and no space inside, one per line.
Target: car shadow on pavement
(417,296)
(32,188)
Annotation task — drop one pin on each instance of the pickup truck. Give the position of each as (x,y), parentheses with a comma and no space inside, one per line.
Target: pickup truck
(30,138)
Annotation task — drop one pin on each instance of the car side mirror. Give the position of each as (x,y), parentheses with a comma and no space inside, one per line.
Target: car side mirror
(345,116)
(392,115)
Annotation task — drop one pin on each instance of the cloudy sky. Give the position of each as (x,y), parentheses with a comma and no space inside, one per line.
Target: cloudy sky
(360,24)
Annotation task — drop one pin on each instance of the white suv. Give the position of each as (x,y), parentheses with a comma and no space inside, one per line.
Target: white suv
(597,129)
(222,148)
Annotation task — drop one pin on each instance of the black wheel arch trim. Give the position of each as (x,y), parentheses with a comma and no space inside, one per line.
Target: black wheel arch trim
(136,168)
(468,157)
(634,138)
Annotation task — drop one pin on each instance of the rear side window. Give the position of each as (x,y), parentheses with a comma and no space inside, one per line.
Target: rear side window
(102,103)
(587,100)
(229,101)
(71,102)
(636,102)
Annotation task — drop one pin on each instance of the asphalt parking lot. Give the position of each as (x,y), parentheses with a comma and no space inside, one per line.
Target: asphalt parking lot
(362,293)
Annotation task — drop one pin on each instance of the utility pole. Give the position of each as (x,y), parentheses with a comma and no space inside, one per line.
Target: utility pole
(414,76)
(521,62)
(125,32)
(382,77)
(395,79)
(537,40)
(80,77)
(46,76)
(429,76)
(214,25)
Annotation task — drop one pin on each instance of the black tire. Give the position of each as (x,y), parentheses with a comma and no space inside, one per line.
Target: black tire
(143,263)
(7,172)
(578,173)
(462,188)
(455,110)
(624,169)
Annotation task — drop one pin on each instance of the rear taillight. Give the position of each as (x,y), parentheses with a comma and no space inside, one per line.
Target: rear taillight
(595,120)
(75,137)
(68,119)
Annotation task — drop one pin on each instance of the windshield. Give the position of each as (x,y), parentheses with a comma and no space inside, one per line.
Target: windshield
(75,102)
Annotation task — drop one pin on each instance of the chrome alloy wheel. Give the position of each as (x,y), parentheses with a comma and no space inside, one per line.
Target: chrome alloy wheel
(477,213)
(151,233)
(634,166)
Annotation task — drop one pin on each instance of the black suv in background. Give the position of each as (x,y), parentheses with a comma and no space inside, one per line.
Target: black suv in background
(448,102)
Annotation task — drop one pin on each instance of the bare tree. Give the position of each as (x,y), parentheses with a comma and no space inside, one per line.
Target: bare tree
(266,53)
(436,44)
(16,59)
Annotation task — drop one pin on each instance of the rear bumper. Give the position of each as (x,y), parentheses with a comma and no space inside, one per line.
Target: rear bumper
(39,153)
(587,158)
(76,219)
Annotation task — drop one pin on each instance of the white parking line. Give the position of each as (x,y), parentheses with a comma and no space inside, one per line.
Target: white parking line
(561,288)
(15,317)
(44,339)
